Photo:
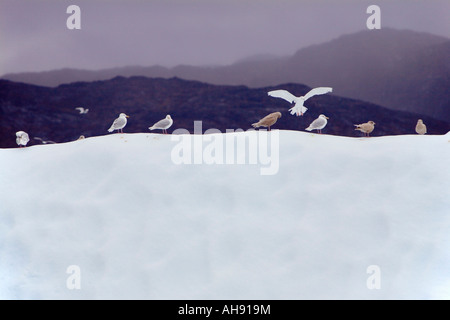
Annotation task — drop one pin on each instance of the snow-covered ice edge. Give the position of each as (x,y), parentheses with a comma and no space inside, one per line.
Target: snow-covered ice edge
(140,226)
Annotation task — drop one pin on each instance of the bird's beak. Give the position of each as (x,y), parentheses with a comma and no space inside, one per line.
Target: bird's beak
(327,117)
(127,116)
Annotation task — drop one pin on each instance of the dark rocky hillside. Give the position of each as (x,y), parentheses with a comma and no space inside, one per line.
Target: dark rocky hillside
(49,113)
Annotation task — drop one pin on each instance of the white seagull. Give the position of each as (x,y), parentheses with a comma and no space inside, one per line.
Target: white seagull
(163,124)
(119,123)
(318,124)
(82,110)
(22,138)
(298,109)
(44,141)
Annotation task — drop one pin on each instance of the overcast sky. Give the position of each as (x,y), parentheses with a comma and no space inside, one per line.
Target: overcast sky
(34,36)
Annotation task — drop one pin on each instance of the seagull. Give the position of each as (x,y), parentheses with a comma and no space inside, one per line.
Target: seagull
(22,138)
(421,128)
(298,109)
(268,120)
(119,123)
(367,127)
(163,124)
(318,124)
(43,141)
(82,110)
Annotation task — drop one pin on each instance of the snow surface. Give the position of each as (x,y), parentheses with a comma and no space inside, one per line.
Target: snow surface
(139,226)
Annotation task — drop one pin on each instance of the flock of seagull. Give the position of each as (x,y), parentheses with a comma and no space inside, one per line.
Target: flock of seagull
(121,122)
(298,109)
(319,123)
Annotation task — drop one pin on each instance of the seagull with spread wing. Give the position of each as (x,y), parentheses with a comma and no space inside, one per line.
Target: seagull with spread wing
(299,109)
(82,110)
(44,141)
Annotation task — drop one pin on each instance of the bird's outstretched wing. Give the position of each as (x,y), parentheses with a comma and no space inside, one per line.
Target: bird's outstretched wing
(283,94)
(316,91)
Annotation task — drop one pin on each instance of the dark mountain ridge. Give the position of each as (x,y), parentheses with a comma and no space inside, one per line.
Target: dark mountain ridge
(49,113)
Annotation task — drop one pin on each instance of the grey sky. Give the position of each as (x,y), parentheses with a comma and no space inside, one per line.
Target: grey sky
(34,36)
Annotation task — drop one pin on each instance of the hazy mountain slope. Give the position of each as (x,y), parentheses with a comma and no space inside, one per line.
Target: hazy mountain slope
(50,113)
(400,69)
(54,78)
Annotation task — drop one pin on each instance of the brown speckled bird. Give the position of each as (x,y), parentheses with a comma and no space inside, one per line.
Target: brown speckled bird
(268,120)
(421,128)
(367,127)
